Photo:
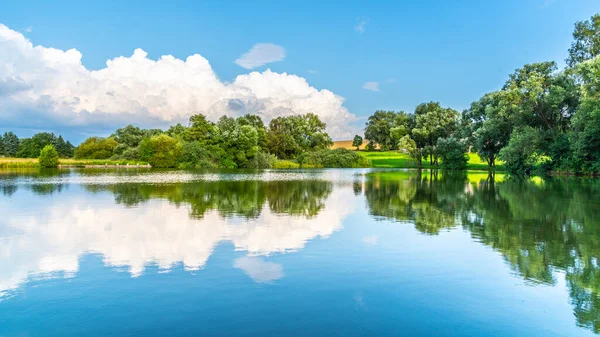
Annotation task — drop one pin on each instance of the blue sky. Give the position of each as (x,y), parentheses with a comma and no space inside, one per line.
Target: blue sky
(416,51)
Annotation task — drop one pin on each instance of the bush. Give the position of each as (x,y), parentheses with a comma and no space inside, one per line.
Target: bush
(160,151)
(520,156)
(338,158)
(263,160)
(48,157)
(452,152)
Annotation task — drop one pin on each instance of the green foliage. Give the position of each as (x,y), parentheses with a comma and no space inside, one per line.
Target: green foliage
(161,151)
(48,157)
(586,44)
(338,158)
(96,148)
(176,131)
(199,130)
(263,160)
(11,144)
(194,155)
(520,156)
(453,153)
(486,127)
(357,142)
(289,136)
(31,147)
(380,125)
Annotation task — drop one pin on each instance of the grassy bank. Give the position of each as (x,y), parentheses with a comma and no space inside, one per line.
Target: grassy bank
(33,162)
(394,159)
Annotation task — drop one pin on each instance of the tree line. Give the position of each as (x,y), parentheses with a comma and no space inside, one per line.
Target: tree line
(242,142)
(12,146)
(542,118)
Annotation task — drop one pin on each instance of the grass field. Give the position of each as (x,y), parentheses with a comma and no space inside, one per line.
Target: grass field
(347,144)
(33,162)
(394,159)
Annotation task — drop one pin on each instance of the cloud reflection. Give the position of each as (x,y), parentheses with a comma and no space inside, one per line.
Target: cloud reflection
(50,241)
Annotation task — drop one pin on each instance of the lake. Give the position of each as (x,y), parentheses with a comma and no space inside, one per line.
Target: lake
(362,252)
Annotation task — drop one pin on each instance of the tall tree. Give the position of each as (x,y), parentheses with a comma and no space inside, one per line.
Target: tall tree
(11,144)
(200,129)
(486,127)
(586,41)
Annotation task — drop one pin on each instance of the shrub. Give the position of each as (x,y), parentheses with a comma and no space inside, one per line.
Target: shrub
(48,157)
(263,160)
(338,158)
(452,152)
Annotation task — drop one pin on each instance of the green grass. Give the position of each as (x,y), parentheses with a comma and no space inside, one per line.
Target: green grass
(394,159)
(33,162)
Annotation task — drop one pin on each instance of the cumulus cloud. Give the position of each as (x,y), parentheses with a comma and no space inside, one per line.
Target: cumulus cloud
(42,87)
(261,54)
(372,86)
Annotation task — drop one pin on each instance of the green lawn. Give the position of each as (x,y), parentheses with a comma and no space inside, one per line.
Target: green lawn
(394,159)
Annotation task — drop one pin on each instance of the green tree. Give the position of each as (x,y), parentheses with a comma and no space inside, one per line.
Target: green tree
(200,130)
(258,124)
(357,142)
(2,150)
(31,147)
(586,44)
(160,151)
(486,127)
(11,144)
(289,136)
(432,123)
(176,131)
(520,155)
(48,157)
(453,153)
(96,148)
(379,126)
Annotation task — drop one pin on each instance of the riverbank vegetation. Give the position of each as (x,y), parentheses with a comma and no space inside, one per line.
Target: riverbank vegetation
(243,142)
(542,119)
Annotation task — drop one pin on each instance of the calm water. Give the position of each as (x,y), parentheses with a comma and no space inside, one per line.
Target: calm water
(291,253)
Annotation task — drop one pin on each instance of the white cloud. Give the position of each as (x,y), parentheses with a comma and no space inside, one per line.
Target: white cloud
(28,29)
(259,270)
(44,87)
(360,25)
(372,86)
(261,54)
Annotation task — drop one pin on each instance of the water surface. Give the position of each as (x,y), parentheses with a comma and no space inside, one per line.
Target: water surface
(297,253)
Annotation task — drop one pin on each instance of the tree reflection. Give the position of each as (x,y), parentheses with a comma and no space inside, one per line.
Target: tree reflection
(239,198)
(540,226)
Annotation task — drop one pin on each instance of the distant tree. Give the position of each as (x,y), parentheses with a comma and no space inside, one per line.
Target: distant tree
(31,147)
(357,142)
(2,151)
(64,149)
(586,44)
(161,151)
(289,136)
(130,136)
(96,148)
(48,157)
(520,155)
(378,128)
(11,144)
(239,142)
